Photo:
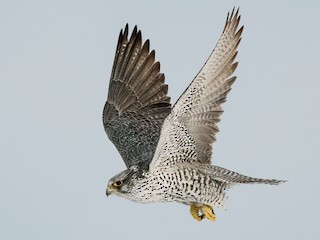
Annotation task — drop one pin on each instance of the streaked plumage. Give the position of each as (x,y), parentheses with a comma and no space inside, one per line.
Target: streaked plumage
(174,164)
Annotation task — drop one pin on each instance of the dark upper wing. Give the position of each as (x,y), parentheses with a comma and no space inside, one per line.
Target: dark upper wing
(137,101)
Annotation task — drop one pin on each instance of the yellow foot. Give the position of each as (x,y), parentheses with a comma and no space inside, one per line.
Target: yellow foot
(208,212)
(205,211)
(194,210)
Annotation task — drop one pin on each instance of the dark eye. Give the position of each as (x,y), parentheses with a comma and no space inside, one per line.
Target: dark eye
(118,183)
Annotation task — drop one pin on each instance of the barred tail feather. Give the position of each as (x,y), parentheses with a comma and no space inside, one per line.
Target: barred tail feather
(227,176)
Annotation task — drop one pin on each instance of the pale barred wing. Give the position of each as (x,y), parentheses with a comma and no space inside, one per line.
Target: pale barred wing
(137,101)
(189,131)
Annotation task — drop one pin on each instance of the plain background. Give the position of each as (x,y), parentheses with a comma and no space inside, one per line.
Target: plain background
(55,63)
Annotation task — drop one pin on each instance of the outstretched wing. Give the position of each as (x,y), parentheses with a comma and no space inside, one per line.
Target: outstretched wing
(137,101)
(189,131)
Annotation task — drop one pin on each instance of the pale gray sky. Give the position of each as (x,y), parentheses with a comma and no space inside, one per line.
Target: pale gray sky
(55,62)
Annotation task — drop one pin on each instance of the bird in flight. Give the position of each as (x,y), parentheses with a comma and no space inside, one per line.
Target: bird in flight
(167,149)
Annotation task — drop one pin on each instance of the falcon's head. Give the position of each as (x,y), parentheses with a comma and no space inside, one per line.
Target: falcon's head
(122,183)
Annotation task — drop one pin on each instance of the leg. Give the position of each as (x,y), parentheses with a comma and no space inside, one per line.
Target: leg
(194,210)
(208,212)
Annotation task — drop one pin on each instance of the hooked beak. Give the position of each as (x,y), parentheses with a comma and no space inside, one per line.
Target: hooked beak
(110,190)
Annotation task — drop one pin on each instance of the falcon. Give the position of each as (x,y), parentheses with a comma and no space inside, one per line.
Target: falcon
(167,149)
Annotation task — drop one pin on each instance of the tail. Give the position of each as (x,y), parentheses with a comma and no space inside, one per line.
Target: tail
(227,176)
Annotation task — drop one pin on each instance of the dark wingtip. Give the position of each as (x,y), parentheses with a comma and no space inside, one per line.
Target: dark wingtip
(146,45)
(134,33)
(120,34)
(237,12)
(135,29)
(231,16)
(139,36)
(126,30)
